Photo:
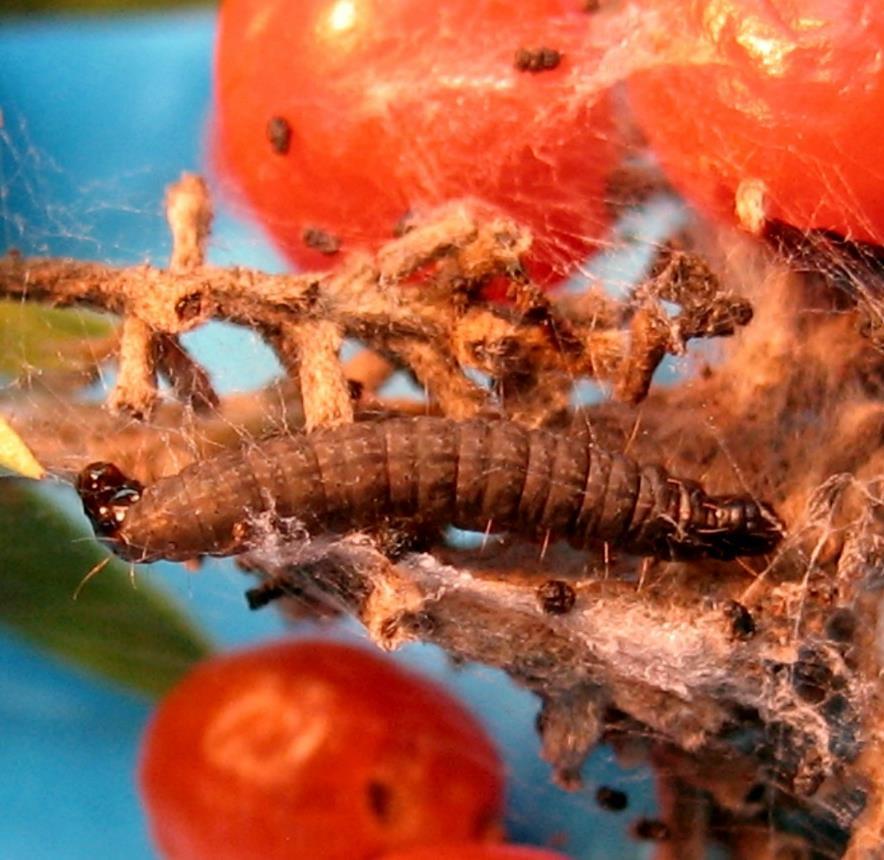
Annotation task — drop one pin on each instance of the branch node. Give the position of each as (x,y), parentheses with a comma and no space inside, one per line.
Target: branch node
(135,391)
(189,213)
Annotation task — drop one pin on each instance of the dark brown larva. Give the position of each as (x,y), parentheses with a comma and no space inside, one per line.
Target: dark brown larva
(477,475)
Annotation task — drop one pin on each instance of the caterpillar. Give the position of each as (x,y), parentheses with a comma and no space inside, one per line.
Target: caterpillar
(478,475)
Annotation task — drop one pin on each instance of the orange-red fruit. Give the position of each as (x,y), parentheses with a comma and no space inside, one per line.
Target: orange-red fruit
(378,108)
(472,851)
(785,94)
(314,749)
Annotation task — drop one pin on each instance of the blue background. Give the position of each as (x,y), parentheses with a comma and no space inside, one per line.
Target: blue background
(99,115)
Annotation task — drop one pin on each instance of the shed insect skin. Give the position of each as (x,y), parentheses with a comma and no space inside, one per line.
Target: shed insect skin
(477,475)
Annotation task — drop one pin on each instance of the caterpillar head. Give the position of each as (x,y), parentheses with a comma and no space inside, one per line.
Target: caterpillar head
(739,525)
(106,494)
(724,528)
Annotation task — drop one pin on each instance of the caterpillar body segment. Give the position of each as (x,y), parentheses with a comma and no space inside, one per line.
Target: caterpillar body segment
(476,475)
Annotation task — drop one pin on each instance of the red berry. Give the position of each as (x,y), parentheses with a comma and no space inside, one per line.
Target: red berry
(785,97)
(336,118)
(314,749)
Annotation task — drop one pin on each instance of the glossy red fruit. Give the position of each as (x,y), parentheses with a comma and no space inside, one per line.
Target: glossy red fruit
(342,116)
(472,851)
(785,95)
(318,750)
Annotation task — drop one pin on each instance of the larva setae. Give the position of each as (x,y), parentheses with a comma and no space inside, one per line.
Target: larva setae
(477,475)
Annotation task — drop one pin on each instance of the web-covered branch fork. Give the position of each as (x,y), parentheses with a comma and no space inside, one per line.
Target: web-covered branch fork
(420,300)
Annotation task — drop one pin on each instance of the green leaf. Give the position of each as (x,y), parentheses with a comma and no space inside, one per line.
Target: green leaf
(15,455)
(137,637)
(37,337)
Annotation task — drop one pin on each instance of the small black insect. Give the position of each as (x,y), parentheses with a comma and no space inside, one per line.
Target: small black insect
(556,597)
(537,60)
(477,475)
(259,596)
(279,133)
(611,799)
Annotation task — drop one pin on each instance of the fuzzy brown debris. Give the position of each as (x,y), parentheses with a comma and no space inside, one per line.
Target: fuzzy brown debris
(67,435)
(189,380)
(783,652)
(145,350)
(418,300)
(684,812)
(759,673)
(706,309)
(675,670)
(189,214)
(135,391)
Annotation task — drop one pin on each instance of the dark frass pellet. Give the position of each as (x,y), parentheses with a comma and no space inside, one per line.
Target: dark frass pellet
(652,829)
(379,799)
(537,60)
(741,620)
(279,133)
(611,799)
(321,240)
(261,595)
(811,678)
(556,597)
(841,625)
(189,307)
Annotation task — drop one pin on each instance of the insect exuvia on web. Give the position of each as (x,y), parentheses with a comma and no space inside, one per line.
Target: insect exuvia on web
(476,475)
